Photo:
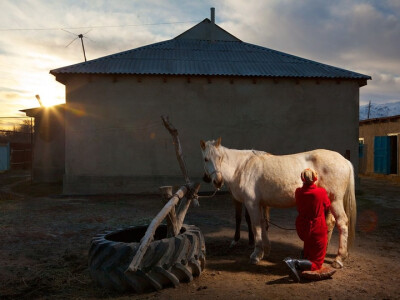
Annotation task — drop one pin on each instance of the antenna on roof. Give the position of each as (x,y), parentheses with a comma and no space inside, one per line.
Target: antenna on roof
(79,36)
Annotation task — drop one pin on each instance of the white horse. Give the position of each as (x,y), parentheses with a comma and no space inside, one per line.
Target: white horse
(261,180)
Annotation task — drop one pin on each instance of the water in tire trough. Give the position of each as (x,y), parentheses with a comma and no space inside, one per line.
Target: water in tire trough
(135,234)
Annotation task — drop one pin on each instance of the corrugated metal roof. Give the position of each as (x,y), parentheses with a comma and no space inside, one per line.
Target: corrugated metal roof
(210,58)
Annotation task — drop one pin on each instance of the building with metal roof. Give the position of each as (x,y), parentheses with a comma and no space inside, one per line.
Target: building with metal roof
(211,84)
(210,52)
(379,146)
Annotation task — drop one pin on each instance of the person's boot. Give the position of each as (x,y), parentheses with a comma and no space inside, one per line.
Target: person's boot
(303,264)
(297,264)
(291,264)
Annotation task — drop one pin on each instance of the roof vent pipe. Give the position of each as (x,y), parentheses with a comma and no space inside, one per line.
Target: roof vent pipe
(212,15)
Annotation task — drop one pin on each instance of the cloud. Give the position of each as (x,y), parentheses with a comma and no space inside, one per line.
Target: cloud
(361,36)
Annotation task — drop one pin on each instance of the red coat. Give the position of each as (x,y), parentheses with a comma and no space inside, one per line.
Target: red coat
(312,203)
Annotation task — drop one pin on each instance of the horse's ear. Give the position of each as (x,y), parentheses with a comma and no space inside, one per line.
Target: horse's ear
(218,142)
(202,144)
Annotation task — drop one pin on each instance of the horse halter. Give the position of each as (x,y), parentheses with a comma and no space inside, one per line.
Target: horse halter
(210,179)
(214,172)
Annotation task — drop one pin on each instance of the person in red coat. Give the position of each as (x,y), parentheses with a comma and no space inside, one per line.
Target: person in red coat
(312,204)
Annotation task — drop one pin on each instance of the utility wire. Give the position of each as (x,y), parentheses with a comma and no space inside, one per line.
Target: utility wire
(15,117)
(93,27)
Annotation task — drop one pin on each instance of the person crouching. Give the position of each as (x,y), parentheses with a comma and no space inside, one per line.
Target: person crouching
(312,204)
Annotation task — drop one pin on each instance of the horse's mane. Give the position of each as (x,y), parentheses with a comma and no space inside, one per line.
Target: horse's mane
(259,153)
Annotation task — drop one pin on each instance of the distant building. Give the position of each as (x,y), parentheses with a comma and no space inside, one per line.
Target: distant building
(211,84)
(16,148)
(49,143)
(379,146)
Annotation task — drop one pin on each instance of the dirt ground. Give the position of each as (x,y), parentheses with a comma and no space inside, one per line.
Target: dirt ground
(45,239)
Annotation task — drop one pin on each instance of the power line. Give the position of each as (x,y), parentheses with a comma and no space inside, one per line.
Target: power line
(93,27)
(15,117)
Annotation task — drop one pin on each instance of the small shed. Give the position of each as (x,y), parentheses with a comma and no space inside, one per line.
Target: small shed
(211,84)
(48,143)
(379,146)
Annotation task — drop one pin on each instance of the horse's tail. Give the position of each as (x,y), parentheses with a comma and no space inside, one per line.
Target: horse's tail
(350,207)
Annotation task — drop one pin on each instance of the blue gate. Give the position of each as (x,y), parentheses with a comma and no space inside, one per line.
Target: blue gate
(382,154)
(4,157)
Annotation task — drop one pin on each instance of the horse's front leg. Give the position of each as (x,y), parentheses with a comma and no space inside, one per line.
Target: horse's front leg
(238,219)
(255,217)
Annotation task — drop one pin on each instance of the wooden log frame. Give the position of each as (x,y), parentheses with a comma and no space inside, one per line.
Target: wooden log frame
(175,217)
(175,221)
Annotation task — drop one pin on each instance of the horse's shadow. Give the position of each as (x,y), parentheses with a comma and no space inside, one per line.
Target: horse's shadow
(237,259)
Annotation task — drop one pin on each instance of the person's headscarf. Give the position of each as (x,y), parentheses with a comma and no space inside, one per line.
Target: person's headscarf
(309,176)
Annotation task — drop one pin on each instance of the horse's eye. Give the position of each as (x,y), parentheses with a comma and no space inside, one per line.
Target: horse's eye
(206,159)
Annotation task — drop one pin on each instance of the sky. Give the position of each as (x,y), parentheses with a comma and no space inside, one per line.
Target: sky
(36,36)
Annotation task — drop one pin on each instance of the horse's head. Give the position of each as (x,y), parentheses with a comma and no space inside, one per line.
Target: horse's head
(212,156)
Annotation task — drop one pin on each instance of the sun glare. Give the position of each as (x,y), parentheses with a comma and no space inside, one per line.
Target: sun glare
(43,84)
(51,94)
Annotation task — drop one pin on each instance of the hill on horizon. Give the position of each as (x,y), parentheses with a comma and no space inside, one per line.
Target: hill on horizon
(379,110)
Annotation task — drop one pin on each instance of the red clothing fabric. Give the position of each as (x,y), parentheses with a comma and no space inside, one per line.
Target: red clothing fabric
(312,203)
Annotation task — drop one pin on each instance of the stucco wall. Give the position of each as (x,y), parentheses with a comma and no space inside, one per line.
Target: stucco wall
(367,131)
(115,141)
(49,146)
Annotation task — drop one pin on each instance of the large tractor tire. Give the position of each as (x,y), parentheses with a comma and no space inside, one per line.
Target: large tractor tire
(167,261)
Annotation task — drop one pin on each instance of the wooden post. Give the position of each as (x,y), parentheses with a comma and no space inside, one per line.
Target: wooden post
(172,228)
(185,203)
(178,150)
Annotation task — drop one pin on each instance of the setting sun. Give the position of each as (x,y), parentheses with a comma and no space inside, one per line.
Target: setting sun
(50,91)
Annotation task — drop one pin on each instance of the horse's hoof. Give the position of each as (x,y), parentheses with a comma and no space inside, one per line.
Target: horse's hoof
(254,261)
(337,264)
(233,244)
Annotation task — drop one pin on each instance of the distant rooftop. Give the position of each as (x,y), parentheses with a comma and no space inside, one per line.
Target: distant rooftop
(33,112)
(208,50)
(380,120)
